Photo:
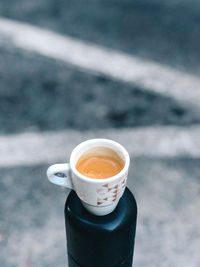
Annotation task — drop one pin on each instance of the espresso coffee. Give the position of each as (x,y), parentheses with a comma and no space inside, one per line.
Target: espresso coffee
(103,163)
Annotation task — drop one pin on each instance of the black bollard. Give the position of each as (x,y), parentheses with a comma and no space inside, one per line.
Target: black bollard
(100,241)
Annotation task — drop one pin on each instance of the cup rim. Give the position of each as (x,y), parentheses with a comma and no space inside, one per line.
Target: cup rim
(98,141)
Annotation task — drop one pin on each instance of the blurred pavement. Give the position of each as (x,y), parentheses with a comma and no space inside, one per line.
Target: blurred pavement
(167,191)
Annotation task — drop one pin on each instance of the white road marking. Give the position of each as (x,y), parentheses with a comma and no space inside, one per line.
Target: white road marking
(50,147)
(146,74)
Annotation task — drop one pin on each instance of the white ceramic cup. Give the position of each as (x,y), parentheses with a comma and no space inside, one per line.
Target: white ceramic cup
(98,196)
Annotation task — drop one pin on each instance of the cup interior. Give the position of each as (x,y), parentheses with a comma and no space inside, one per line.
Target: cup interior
(104,147)
(101,151)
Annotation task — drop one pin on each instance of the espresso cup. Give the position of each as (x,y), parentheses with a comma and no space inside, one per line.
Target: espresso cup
(98,196)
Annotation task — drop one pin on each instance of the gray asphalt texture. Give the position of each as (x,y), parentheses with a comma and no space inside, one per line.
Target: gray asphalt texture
(39,94)
(165,31)
(32,216)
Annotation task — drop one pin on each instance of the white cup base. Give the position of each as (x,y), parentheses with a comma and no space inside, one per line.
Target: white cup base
(100,210)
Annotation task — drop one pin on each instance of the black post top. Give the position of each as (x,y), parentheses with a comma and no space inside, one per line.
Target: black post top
(101,241)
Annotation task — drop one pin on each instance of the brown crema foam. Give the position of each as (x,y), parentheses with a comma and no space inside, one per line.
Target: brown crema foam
(100,163)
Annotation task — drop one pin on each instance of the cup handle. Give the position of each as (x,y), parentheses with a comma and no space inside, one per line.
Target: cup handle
(60,174)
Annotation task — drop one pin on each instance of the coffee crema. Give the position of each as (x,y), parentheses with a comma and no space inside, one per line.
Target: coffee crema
(99,166)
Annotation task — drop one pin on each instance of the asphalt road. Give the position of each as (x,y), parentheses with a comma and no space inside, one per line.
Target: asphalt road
(167,32)
(167,191)
(39,94)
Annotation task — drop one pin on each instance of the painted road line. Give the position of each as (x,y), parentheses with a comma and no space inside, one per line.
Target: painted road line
(145,74)
(49,147)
